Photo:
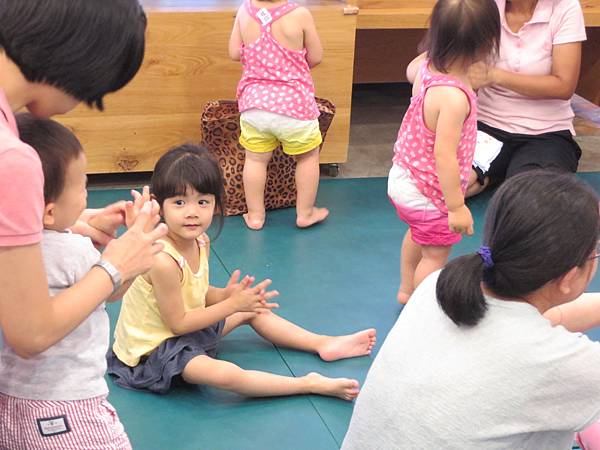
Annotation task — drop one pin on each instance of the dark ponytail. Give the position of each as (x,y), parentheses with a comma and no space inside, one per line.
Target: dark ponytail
(539,225)
(459,292)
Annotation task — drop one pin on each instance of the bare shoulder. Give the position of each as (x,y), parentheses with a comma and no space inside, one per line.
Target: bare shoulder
(303,15)
(164,267)
(449,98)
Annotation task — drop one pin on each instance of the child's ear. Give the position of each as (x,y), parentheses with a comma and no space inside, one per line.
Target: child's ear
(49,219)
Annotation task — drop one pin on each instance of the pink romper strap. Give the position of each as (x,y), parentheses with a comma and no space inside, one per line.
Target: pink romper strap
(265,17)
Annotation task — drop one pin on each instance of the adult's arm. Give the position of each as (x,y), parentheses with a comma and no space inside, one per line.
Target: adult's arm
(31,322)
(559,84)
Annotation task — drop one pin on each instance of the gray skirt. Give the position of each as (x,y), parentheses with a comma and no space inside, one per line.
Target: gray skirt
(158,370)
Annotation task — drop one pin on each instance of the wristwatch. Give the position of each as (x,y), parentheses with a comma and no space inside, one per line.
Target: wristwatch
(112,272)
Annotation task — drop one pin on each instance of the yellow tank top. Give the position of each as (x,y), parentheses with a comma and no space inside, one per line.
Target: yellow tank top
(140,328)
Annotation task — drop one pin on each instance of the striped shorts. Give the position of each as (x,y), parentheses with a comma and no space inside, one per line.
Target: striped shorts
(91,424)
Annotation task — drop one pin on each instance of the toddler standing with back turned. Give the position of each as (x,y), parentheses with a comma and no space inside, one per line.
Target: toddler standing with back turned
(278,43)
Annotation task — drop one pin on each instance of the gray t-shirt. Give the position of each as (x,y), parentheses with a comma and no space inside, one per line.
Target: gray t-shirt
(74,368)
(511,382)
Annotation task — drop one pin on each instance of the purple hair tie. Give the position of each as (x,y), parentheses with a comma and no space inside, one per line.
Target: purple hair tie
(486,256)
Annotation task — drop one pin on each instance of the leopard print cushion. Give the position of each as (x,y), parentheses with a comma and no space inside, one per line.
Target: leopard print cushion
(221,133)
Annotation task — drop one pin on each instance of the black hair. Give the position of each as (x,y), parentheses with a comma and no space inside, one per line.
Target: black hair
(462,30)
(86,48)
(56,146)
(188,165)
(539,225)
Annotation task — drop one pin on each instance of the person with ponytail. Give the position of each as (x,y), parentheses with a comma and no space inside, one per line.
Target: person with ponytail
(472,362)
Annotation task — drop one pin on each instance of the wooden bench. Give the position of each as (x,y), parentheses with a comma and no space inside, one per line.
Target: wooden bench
(187,64)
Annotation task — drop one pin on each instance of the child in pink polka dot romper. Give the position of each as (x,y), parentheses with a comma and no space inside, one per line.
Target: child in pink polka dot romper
(436,141)
(278,43)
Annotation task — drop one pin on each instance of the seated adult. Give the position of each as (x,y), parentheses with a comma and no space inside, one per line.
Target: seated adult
(524,100)
(472,363)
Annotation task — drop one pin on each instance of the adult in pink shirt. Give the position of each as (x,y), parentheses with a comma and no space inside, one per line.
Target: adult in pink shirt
(524,100)
(53,55)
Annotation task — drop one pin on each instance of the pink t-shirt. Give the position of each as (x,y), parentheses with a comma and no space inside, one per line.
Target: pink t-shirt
(21,185)
(414,147)
(529,52)
(275,79)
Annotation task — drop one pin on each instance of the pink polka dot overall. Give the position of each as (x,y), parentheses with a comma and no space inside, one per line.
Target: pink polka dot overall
(275,79)
(413,185)
(414,148)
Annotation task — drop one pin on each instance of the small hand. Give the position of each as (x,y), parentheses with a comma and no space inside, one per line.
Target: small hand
(460,220)
(101,224)
(133,252)
(233,283)
(248,298)
(481,75)
(132,208)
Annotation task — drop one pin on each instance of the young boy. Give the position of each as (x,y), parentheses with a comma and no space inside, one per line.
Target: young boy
(58,398)
(53,55)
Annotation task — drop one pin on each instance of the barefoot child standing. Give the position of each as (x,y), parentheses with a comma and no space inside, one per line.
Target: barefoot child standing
(278,44)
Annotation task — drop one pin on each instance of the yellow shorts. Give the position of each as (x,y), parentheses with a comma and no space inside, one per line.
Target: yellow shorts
(263,131)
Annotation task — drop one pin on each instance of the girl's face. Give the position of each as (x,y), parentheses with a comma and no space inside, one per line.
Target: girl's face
(188,216)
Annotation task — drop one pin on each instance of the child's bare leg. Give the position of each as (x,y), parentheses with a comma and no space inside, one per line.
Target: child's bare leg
(474,188)
(434,258)
(225,375)
(307,183)
(410,256)
(255,178)
(279,331)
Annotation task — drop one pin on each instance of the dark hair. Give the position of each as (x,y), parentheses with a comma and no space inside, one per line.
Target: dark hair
(188,165)
(539,225)
(56,145)
(467,30)
(86,48)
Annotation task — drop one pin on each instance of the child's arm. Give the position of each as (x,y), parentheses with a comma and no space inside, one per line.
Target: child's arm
(217,295)
(165,277)
(579,315)
(214,294)
(312,42)
(235,40)
(119,293)
(413,67)
(452,110)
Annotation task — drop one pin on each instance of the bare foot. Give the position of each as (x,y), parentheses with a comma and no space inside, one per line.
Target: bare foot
(344,388)
(254,222)
(340,347)
(317,215)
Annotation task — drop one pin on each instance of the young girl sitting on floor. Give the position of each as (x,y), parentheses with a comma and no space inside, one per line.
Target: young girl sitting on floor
(436,141)
(278,43)
(171,319)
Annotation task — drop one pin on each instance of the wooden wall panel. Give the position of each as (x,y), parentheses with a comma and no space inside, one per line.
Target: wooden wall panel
(382,55)
(589,81)
(186,65)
